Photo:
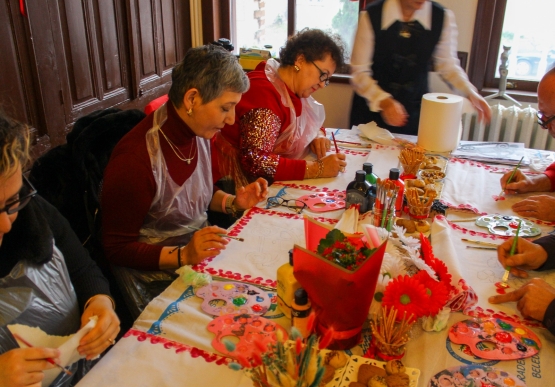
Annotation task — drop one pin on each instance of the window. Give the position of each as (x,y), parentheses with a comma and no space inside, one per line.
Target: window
(520,25)
(260,23)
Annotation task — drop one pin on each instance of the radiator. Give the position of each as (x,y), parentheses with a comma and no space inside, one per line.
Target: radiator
(508,124)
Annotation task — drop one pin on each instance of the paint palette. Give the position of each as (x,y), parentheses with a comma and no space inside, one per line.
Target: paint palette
(233,297)
(243,329)
(324,201)
(506,225)
(474,375)
(496,339)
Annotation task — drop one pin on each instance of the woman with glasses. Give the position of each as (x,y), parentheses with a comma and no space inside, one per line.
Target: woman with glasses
(47,279)
(278,122)
(538,206)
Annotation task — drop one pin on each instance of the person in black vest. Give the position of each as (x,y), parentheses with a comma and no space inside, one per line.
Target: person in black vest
(394,44)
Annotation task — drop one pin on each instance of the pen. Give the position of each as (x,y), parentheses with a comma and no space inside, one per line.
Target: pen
(50,360)
(480,242)
(335,143)
(222,235)
(510,177)
(511,253)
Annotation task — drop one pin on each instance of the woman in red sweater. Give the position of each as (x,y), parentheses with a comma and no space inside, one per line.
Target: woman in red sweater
(278,121)
(158,183)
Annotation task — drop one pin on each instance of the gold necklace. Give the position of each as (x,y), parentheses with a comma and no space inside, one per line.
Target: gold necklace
(177,152)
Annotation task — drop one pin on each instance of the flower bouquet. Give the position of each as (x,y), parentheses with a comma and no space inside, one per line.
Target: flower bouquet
(339,272)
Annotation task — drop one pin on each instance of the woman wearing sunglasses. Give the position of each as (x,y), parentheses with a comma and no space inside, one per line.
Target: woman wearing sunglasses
(537,206)
(47,279)
(277,121)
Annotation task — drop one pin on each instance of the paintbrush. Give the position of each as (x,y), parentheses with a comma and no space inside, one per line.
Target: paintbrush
(335,143)
(482,247)
(222,235)
(479,242)
(511,253)
(510,178)
(48,359)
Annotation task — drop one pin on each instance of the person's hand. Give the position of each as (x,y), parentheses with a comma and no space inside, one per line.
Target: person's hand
(333,164)
(320,146)
(25,366)
(521,183)
(528,256)
(538,206)
(106,330)
(393,112)
(252,194)
(481,105)
(207,242)
(532,299)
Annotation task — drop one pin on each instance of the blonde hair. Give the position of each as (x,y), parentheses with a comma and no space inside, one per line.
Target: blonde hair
(14,142)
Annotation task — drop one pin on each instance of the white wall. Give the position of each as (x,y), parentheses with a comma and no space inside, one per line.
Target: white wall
(337,98)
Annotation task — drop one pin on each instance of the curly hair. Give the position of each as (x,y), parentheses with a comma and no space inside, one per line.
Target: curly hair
(211,70)
(14,142)
(314,44)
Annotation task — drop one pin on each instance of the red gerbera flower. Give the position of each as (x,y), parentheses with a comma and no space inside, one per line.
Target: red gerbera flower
(407,295)
(437,293)
(442,273)
(426,249)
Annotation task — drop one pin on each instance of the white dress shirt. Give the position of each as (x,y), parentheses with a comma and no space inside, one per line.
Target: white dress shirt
(445,58)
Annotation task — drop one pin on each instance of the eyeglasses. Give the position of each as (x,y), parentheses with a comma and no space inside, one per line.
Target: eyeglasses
(293,204)
(26,193)
(543,120)
(324,77)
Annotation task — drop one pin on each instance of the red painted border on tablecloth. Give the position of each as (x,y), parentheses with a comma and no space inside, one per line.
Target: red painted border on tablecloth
(178,347)
(203,267)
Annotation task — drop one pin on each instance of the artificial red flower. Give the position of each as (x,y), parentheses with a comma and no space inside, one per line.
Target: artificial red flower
(407,295)
(426,249)
(442,273)
(437,293)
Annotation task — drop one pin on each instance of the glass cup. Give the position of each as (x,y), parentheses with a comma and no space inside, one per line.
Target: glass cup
(409,171)
(381,218)
(420,211)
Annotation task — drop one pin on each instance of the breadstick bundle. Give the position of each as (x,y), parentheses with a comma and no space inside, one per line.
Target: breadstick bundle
(411,159)
(419,206)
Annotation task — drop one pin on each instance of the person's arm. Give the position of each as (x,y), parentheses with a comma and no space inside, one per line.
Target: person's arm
(550,173)
(260,129)
(361,65)
(126,199)
(548,244)
(448,66)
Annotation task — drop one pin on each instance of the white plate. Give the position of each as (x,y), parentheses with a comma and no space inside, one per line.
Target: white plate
(344,376)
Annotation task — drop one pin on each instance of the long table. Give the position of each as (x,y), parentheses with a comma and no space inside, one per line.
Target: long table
(170,345)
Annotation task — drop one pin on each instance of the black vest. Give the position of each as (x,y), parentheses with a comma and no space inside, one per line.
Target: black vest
(402,58)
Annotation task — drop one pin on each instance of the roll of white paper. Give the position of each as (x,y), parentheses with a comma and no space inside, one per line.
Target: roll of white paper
(440,128)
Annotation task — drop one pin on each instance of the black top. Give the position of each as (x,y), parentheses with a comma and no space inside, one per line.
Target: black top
(31,239)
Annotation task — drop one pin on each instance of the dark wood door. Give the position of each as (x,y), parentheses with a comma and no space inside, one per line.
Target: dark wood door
(63,59)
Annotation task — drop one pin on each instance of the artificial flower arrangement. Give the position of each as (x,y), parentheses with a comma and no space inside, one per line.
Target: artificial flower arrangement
(339,271)
(412,285)
(295,363)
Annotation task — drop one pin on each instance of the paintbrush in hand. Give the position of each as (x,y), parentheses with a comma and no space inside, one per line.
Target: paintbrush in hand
(510,178)
(511,253)
(50,360)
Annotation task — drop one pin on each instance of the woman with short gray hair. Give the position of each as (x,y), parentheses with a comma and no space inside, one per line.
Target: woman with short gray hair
(158,183)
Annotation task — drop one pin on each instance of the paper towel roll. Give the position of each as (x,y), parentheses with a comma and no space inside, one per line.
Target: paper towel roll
(439,129)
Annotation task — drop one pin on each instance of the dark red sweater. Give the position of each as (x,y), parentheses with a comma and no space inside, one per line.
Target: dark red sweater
(129,188)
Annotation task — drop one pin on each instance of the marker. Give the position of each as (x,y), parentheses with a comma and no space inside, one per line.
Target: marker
(48,359)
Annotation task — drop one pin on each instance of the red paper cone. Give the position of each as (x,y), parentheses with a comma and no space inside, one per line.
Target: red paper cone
(340,298)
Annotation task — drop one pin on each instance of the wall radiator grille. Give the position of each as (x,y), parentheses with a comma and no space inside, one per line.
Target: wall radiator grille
(508,124)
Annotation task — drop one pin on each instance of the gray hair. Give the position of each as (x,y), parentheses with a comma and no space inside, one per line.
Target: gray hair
(211,70)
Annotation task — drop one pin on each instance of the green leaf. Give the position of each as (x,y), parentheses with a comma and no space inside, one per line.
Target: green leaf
(331,237)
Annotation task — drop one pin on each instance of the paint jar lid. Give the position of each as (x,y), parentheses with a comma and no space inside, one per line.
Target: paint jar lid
(368,167)
(301,297)
(360,176)
(394,174)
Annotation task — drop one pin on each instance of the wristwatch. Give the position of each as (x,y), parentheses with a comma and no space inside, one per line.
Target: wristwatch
(230,207)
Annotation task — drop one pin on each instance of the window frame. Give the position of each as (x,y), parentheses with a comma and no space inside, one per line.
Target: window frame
(482,69)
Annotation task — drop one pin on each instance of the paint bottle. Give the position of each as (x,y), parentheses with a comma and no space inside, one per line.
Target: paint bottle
(370,175)
(394,178)
(300,310)
(359,192)
(286,286)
